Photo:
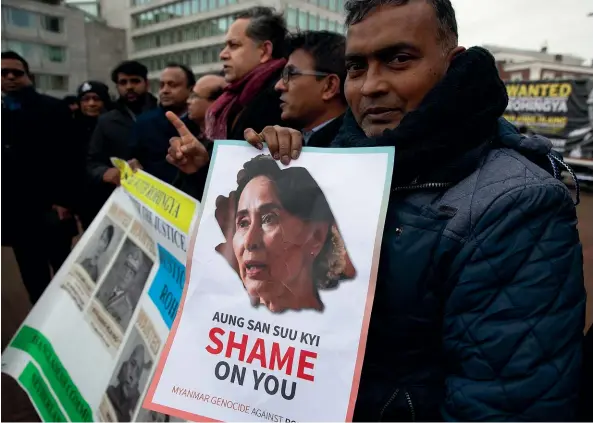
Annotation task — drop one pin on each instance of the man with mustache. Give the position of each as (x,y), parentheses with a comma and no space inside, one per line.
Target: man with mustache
(479,307)
(112,135)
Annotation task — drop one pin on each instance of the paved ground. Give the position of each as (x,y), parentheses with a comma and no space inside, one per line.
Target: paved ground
(15,306)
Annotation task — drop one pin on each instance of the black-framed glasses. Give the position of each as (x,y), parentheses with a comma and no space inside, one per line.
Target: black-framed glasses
(17,73)
(288,72)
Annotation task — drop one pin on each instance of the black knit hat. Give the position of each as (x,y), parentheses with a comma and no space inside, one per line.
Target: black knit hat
(96,87)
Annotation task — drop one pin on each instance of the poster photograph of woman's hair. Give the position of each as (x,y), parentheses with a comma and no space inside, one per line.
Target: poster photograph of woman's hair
(282,238)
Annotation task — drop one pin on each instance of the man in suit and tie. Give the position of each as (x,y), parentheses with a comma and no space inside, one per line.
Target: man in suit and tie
(312,86)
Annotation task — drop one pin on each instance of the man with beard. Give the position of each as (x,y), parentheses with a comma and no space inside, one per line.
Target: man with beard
(125,395)
(111,137)
(479,307)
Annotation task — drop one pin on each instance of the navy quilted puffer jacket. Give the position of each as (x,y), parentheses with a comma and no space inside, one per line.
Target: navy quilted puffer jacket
(480,305)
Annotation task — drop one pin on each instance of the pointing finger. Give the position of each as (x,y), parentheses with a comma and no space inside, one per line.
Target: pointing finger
(178,124)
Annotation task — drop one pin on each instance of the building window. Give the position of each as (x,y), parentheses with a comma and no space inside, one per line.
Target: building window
(323,24)
(291,17)
(21,18)
(516,76)
(324,4)
(51,82)
(312,22)
(548,75)
(333,5)
(302,20)
(27,50)
(55,54)
(52,24)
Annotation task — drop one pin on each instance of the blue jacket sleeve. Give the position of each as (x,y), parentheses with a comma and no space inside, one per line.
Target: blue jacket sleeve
(514,320)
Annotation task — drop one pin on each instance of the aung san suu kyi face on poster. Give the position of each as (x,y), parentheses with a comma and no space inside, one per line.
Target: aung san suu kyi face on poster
(282,238)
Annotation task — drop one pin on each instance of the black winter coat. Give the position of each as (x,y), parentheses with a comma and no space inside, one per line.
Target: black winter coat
(35,138)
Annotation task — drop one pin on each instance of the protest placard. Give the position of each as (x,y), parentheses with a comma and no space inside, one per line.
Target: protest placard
(88,349)
(274,315)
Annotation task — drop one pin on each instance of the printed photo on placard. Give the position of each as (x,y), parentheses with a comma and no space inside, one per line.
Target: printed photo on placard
(145,415)
(130,377)
(122,287)
(282,238)
(282,270)
(100,249)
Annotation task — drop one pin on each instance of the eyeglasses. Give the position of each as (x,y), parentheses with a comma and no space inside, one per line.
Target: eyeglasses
(17,73)
(288,72)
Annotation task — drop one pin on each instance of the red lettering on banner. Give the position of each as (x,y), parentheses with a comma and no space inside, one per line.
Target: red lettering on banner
(286,359)
(278,359)
(258,352)
(241,346)
(304,364)
(217,342)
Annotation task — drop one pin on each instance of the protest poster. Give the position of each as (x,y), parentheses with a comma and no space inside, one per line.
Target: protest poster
(88,349)
(282,269)
(551,108)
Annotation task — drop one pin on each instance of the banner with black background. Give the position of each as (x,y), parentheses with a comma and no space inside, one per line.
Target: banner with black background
(551,108)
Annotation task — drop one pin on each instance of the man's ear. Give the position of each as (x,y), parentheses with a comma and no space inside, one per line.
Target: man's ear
(455,52)
(267,48)
(331,88)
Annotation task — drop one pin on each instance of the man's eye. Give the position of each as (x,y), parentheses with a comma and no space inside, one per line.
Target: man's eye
(400,58)
(243,223)
(353,67)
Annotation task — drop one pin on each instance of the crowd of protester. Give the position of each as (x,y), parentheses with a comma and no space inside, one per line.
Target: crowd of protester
(480,306)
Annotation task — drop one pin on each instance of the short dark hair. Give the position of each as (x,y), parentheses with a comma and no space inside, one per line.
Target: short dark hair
(130,67)
(189,74)
(266,25)
(357,10)
(328,50)
(15,56)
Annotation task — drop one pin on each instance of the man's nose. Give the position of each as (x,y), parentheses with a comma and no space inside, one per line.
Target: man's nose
(224,54)
(374,83)
(280,86)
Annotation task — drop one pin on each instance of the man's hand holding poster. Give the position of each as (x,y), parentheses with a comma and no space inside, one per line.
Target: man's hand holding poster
(282,269)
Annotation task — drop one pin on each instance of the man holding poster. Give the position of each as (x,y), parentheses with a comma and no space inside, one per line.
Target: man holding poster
(281,280)
(479,305)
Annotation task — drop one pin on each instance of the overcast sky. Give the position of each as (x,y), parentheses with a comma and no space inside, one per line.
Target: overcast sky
(563,24)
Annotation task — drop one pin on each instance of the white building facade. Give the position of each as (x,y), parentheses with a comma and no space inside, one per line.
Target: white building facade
(192,31)
(63,45)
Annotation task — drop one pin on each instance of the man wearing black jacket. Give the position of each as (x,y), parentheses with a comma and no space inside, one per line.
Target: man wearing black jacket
(112,136)
(312,86)
(35,135)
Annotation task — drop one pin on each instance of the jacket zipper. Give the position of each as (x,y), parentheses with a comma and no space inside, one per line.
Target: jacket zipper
(411,406)
(388,403)
(428,185)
